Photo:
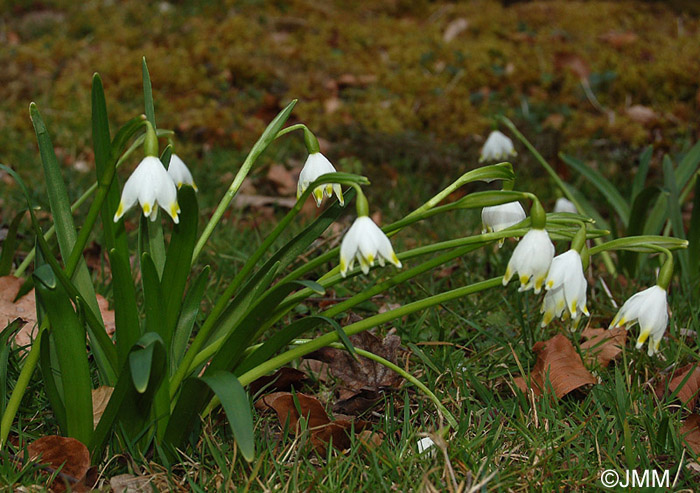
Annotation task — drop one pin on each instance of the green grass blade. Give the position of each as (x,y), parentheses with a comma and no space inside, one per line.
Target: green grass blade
(51,387)
(188,314)
(640,176)
(5,345)
(126,315)
(9,245)
(69,338)
(153,299)
(638,218)
(603,185)
(687,166)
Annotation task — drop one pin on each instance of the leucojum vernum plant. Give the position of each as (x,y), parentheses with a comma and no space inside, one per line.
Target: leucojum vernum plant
(168,363)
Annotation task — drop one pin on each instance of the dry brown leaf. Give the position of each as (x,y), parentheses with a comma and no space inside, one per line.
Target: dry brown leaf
(690,433)
(322,429)
(570,61)
(100,399)
(688,393)
(283,179)
(642,115)
(618,39)
(128,483)
(67,454)
(454,29)
(363,373)
(283,379)
(371,439)
(558,362)
(603,345)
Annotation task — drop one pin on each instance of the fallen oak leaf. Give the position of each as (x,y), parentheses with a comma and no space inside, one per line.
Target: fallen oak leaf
(560,365)
(685,383)
(603,345)
(64,453)
(690,433)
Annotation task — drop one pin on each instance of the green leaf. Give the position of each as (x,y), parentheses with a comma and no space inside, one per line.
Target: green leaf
(69,337)
(5,347)
(588,208)
(638,217)
(166,155)
(694,233)
(128,407)
(640,176)
(603,185)
(153,300)
(9,245)
(126,315)
(687,166)
(233,399)
(674,213)
(148,94)
(188,314)
(50,377)
(140,362)
(179,256)
(60,208)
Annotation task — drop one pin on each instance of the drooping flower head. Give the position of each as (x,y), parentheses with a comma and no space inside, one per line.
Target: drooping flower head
(649,308)
(497,147)
(566,288)
(179,172)
(317,165)
(365,242)
(499,217)
(531,260)
(150,185)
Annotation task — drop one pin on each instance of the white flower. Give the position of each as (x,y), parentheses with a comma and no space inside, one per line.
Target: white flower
(566,288)
(649,308)
(565,205)
(317,165)
(425,444)
(497,147)
(364,241)
(152,186)
(499,217)
(178,171)
(531,260)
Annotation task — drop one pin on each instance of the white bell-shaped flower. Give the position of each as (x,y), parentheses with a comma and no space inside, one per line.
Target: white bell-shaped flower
(179,172)
(649,308)
(497,147)
(566,288)
(317,165)
(150,185)
(565,205)
(499,217)
(531,260)
(365,242)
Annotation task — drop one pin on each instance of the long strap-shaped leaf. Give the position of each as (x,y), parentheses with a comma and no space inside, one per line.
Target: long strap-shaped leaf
(60,208)
(233,399)
(69,338)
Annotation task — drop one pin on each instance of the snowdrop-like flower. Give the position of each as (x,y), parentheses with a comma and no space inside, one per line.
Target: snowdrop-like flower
(531,260)
(365,242)
(317,165)
(499,217)
(152,186)
(565,205)
(566,288)
(649,308)
(497,147)
(179,172)
(425,444)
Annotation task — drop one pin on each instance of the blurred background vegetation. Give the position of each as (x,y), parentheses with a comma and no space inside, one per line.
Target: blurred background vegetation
(392,85)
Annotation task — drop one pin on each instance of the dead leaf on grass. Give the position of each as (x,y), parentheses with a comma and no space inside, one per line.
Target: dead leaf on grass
(243,200)
(128,483)
(619,39)
(603,345)
(642,115)
(67,454)
(690,433)
(283,379)
(284,180)
(559,363)
(323,430)
(100,399)
(688,393)
(575,63)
